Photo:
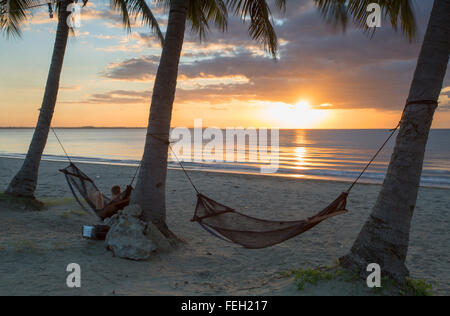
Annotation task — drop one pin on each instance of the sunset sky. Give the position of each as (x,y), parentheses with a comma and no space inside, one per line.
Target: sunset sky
(322,79)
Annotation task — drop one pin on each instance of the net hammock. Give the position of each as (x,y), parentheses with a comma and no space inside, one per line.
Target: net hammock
(85,192)
(255,233)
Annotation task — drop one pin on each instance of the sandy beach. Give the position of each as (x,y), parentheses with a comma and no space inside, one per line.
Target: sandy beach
(36,247)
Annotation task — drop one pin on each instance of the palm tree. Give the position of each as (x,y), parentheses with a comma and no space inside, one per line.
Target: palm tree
(384,238)
(25,182)
(151,184)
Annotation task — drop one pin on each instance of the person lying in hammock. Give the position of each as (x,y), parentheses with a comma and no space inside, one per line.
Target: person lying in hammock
(102,209)
(118,201)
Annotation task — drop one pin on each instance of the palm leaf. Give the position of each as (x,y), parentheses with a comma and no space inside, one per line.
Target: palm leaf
(203,12)
(131,9)
(261,23)
(14,13)
(398,12)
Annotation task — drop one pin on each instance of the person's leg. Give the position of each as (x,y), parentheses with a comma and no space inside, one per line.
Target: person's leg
(100,201)
(109,211)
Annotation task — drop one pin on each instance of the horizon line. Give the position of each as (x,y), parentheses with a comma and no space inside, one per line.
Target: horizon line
(136,127)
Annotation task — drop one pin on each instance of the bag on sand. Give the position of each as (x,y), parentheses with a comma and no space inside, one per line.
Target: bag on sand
(97,232)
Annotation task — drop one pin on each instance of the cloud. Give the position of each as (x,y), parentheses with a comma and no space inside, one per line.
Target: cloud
(444,99)
(70,88)
(316,63)
(141,68)
(119,97)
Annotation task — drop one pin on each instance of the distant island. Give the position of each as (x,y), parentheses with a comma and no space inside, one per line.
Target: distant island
(75,127)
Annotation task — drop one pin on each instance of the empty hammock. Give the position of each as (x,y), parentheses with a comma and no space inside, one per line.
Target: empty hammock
(255,233)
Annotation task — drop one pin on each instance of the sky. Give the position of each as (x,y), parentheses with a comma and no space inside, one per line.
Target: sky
(323,78)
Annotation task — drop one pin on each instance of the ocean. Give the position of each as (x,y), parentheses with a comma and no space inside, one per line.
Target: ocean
(312,154)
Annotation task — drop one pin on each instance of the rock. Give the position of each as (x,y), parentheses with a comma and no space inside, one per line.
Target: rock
(159,240)
(126,239)
(111,220)
(133,210)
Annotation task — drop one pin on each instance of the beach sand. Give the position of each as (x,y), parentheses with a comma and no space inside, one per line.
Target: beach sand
(36,247)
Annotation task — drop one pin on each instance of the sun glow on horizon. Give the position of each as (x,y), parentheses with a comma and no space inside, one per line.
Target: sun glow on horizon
(299,115)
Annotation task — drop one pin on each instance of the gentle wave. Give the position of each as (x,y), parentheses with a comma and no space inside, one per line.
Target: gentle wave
(314,154)
(433,178)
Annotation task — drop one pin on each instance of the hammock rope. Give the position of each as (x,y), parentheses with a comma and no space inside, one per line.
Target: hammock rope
(60,144)
(167,142)
(184,170)
(393,131)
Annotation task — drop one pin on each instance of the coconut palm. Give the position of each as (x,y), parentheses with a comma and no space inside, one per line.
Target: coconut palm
(25,182)
(151,185)
(384,238)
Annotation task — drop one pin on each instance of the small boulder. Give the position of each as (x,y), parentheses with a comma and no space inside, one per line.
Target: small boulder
(126,239)
(110,221)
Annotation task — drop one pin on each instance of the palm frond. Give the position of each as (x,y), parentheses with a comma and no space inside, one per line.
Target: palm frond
(261,26)
(132,9)
(398,12)
(334,12)
(203,12)
(13,14)
(122,7)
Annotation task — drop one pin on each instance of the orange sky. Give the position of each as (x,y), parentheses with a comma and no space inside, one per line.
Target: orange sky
(322,79)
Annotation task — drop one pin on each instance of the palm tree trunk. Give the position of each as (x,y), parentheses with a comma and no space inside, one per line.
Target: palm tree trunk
(384,238)
(25,182)
(151,185)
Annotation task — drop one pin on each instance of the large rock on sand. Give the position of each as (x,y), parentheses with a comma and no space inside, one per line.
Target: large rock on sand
(126,238)
(131,238)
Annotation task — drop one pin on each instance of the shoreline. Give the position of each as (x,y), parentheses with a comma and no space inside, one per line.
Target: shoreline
(231,172)
(35,247)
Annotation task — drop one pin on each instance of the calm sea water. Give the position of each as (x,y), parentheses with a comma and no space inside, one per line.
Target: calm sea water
(317,154)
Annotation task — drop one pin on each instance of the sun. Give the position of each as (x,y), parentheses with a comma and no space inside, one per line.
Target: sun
(300,115)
